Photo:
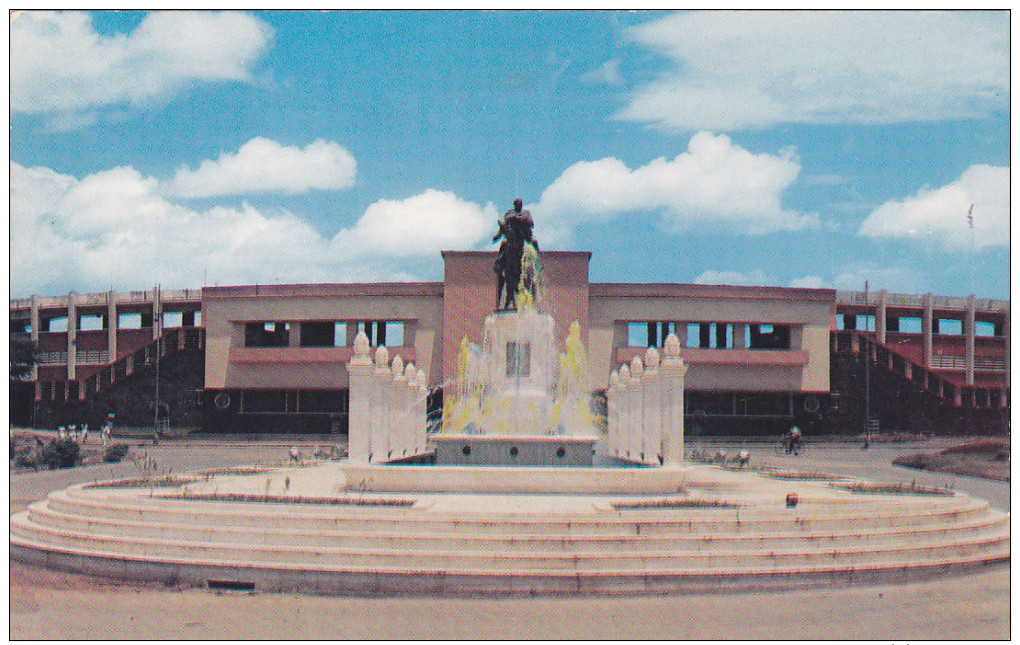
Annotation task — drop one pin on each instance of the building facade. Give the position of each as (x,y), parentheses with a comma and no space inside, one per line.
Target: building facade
(259,359)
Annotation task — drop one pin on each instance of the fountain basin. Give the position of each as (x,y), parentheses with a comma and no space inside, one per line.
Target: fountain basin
(514,450)
(537,480)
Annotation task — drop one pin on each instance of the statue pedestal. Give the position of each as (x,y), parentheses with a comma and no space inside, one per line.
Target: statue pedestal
(510,450)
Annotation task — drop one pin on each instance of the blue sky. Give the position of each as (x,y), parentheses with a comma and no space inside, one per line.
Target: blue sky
(817,149)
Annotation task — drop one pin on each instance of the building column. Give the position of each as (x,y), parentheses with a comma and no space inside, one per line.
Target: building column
(968,334)
(1005,338)
(926,330)
(739,336)
(652,413)
(637,393)
(880,318)
(72,336)
(612,412)
(381,407)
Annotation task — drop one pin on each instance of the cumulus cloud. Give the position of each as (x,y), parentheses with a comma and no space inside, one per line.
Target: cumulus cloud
(715,183)
(423,224)
(262,165)
(60,64)
(809,282)
(608,73)
(736,70)
(939,215)
(117,228)
(756,277)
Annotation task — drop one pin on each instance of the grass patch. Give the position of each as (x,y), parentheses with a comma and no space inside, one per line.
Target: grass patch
(234,470)
(283,499)
(793,475)
(988,459)
(672,504)
(892,489)
(169,481)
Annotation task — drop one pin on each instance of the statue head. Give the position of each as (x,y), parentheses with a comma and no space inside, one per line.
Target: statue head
(518,204)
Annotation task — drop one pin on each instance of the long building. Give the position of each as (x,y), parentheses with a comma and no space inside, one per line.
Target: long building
(272,358)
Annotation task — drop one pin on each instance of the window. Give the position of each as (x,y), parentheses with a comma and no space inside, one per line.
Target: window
(381,332)
(263,401)
(985,329)
(129,321)
(947,327)
(903,325)
(266,334)
(173,319)
(322,334)
(55,324)
(769,336)
(649,334)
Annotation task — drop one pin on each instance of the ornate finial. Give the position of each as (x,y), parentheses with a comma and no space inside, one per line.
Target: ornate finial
(398,367)
(361,346)
(637,369)
(624,374)
(652,359)
(410,373)
(614,379)
(672,346)
(382,356)
(422,383)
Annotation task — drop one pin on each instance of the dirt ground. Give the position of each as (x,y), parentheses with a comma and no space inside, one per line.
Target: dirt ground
(47,605)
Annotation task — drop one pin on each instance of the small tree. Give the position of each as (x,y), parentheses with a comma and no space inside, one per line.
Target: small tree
(24,356)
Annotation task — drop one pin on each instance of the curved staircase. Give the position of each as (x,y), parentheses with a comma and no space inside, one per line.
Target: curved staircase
(427,542)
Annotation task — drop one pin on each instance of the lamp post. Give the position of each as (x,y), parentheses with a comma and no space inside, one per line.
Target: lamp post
(867,371)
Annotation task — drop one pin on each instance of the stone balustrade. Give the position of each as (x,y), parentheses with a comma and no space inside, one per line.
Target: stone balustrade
(645,408)
(387,406)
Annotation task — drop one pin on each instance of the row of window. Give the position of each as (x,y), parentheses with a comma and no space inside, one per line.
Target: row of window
(716,335)
(97,322)
(323,333)
(284,401)
(912,325)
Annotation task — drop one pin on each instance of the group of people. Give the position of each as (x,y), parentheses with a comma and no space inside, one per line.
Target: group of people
(81,434)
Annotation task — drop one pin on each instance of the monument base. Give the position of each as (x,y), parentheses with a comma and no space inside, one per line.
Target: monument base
(500,450)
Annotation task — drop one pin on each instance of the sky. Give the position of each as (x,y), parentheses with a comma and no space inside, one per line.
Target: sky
(804,149)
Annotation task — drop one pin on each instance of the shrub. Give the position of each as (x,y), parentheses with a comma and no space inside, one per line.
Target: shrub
(60,453)
(115,453)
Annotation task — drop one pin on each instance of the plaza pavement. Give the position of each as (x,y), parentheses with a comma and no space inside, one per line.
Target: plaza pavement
(51,605)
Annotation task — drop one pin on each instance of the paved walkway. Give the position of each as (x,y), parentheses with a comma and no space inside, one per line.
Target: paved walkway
(51,605)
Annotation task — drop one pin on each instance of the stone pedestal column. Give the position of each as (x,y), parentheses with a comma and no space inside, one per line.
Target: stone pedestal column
(671,374)
(652,412)
(359,424)
(624,413)
(397,433)
(381,377)
(635,442)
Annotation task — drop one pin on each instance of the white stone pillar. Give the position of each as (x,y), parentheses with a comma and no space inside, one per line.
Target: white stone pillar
(613,413)
(671,373)
(398,401)
(880,320)
(380,405)
(652,432)
(359,407)
(635,443)
(623,435)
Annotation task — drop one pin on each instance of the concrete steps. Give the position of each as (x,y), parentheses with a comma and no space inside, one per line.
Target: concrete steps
(508,544)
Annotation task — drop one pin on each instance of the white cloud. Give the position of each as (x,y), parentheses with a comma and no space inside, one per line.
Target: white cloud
(753,278)
(608,73)
(896,279)
(939,216)
(60,64)
(809,282)
(713,184)
(116,229)
(262,165)
(421,225)
(736,70)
